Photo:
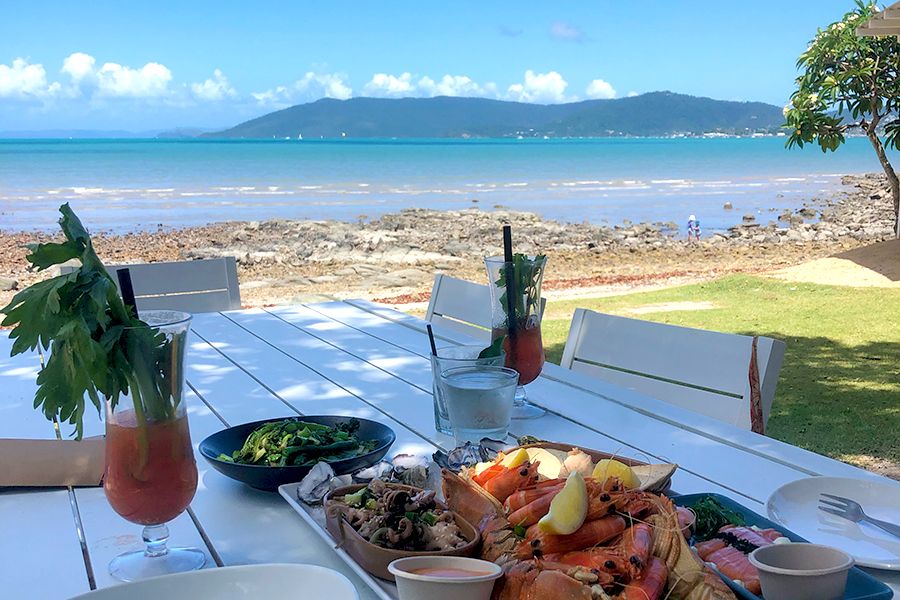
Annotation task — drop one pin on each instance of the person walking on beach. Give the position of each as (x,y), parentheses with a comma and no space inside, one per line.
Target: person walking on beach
(693,229)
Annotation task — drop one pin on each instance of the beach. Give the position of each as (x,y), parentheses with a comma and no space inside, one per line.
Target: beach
(393,258)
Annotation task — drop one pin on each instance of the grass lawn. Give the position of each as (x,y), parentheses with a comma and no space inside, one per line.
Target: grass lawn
(839,390)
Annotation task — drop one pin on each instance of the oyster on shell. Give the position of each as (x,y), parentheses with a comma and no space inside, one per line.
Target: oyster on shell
(318,482)
(407,469)
(470,454)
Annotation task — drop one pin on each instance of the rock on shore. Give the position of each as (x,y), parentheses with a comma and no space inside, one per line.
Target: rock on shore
(442,238)
(863,211)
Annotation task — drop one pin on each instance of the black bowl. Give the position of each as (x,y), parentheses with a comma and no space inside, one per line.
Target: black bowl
(269,478)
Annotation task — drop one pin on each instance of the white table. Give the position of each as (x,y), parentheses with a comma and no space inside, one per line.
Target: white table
(350,358)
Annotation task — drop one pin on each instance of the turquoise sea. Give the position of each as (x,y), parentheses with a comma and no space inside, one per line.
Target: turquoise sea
(124,185)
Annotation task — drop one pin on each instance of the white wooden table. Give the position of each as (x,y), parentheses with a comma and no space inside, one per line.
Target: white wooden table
(350,358)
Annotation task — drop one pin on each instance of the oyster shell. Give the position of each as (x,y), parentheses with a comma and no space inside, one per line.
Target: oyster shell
(411,470)
(380,470)
(318,482)
(407,469)
(470,454)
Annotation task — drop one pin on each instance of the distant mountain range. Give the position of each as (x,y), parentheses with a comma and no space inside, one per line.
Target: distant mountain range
(77,134)
(107,134)
(652,114)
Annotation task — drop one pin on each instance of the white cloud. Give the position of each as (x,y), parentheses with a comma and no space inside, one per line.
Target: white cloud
(150,81)
(632,94)
(24,80)
(311,86)
(385,85)
(600,89)
(455,85)
(541,88)
(329,85)
(79,66)
(275,96)
(215,88)
(560,30)
(113,80)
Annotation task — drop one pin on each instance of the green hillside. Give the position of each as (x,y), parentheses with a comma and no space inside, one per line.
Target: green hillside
(653,114)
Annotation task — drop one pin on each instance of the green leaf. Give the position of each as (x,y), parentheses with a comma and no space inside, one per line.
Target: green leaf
(494,350)
(71,226)
(44,256)
(96,346)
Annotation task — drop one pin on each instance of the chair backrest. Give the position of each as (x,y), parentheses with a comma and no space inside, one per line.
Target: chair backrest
(462,306)
(703,371)
(193,286)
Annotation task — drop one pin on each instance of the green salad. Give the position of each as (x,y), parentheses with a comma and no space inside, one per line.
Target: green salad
(293,442)
(712,516)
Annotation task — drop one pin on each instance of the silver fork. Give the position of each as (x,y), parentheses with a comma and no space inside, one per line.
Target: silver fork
(852,511)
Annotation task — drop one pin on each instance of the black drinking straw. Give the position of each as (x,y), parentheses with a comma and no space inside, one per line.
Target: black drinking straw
(431,339)
(124,276)
(509,272)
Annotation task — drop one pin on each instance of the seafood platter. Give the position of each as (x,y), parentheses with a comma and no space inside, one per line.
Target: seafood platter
(562,522)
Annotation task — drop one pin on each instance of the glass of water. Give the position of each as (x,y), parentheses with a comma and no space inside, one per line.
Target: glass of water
(451,357)
(479,401)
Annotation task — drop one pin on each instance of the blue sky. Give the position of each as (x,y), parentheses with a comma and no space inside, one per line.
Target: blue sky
(154,65)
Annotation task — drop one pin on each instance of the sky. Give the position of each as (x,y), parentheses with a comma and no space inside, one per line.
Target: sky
(143,66)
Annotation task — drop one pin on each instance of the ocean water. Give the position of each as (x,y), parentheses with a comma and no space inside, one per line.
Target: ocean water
(121,185)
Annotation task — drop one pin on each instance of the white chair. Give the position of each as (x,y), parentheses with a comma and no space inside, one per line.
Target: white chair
(704,371)
(460,305)
(463,306)
(194,286)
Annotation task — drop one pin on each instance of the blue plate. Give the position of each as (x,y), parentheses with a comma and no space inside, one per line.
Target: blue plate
(860,585)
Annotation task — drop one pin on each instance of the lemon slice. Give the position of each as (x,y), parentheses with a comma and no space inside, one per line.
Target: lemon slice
(609,467)
(568,508)
(515,458)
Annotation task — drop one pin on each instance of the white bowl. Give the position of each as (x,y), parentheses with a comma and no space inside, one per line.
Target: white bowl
(248,582)
(801,571)
(416,586)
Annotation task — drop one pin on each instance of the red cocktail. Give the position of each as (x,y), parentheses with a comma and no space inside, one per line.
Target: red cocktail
(524,352)
(524,348)
(151,475)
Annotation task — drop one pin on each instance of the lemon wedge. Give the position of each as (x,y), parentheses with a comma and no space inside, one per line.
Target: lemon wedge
(609,467)
(568,508)
(515,458)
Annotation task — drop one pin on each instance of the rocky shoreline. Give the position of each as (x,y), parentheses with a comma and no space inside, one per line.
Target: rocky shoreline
(395,256)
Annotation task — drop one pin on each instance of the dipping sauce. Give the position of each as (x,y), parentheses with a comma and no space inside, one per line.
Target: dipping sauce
(448,572)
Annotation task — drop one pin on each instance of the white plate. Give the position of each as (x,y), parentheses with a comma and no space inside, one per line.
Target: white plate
(795,505)
(248,582)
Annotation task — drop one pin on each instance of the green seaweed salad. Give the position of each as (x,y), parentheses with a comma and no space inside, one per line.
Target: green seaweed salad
(712,516)
(293,442)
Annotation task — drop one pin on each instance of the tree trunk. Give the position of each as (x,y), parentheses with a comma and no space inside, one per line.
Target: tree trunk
(889,171)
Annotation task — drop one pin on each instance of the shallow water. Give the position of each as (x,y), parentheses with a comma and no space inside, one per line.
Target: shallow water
(122,185)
